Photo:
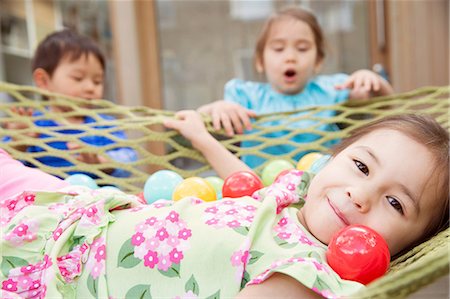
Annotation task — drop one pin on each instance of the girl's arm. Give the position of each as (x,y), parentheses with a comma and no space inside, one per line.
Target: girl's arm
(278,286)
(190,124)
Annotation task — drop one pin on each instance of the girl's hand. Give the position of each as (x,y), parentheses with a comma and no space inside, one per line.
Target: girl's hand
(17,125)
(364,84)
(232,117)
(188,123)
(88,158)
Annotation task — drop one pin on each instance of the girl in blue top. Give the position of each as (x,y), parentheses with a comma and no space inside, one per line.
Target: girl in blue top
(71,64)
(290,52)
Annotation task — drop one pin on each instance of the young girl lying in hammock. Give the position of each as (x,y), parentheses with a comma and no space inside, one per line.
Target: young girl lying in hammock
(104,244)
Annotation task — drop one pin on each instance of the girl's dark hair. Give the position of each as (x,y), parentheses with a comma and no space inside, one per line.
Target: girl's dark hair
(61,44)
(427,131)
(295,13)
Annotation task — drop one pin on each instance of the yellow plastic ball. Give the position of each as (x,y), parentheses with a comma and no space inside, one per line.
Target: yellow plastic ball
(194,186)
(307,160)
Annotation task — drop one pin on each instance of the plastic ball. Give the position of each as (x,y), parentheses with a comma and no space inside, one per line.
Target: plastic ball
(273,169)
(111,188)
(141,198)
(308,160)
(160,185)
(319,164)
(217,184)
(80,179)
(241,183)
(358,253)
(195,186)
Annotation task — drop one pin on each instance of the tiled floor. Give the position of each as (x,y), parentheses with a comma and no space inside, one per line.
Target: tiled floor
(437,290)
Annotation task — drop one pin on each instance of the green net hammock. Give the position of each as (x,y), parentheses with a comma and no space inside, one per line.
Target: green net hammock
(158,148)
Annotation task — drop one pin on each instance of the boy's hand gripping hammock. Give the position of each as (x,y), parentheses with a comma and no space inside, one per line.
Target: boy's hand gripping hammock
(158,148)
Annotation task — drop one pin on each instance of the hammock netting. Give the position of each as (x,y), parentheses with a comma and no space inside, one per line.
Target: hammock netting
(158,148)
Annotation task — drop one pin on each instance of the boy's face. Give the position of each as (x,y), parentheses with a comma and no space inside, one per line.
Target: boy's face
(290,56)
(82,78)
(384,181)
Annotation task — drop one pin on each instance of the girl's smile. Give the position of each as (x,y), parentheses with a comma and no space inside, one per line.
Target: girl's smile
(370,183)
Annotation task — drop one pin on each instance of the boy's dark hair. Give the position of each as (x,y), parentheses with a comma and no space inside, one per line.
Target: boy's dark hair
(62,44)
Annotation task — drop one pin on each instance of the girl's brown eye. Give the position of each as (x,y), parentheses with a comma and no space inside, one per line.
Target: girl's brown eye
(395,204)
(362,167)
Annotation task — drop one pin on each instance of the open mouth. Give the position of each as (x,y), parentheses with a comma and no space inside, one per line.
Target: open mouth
(338,213)
(290,73)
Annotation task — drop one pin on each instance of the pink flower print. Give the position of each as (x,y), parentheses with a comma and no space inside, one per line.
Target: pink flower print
(227,202)
(11,204)
(162,234)
(151,259)
(91,211)
(233,223)
(152,244)
(20,230)
(245,257)
(173,241)
(172,217)
(151,221)
(184,234)
(27,269)
(47,262)
(137,239)
(164,262)
(212,210)
(9,285)
(319,266)
(176,256)
(24,282)
(284,235)
(29,198)
(250,208)
(283,221)
(36,284)
(231,212)
(84,247)
(305,240)
(95,263)
(97,270)
(290,187)
(236,258)
(212,221)
(57,233)
(101,253)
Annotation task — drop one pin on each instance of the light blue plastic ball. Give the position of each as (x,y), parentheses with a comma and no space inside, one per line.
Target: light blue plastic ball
(160,185)
(80,179)
(112,188)
(319,164)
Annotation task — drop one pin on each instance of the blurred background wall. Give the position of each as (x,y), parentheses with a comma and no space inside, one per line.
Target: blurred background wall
(177,54)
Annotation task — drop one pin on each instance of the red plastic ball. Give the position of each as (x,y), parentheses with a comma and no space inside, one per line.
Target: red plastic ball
(141,197)
(241,183)
(358,253)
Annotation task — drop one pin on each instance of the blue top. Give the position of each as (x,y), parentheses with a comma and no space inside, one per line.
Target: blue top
(261,98)
(119,154)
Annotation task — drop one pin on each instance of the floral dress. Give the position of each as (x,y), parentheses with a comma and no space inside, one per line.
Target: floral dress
(81,243)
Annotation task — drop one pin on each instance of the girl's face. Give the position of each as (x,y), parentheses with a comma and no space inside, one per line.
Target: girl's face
(81,78)
(384,181)
(290,56)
